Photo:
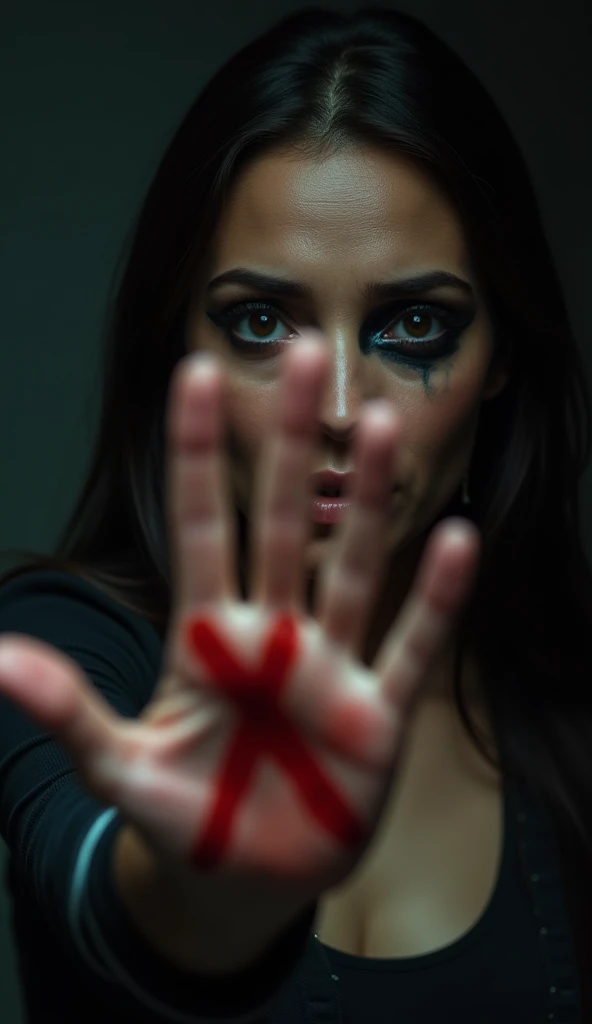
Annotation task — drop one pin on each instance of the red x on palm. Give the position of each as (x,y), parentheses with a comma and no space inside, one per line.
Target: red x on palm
(264,731)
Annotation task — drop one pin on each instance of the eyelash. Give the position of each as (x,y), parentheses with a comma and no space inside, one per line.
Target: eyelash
(435,348)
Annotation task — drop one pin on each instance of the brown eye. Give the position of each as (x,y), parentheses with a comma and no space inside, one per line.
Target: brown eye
(419,333)
(416,324)
(253,326)
(260,323)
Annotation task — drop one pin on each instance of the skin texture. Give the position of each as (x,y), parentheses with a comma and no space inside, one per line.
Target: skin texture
(264,731)
(334,225)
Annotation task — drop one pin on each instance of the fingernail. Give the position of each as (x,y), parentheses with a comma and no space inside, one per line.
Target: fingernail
(202,363)
(11,660)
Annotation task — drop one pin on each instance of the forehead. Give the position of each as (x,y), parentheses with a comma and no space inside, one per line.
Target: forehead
(364,207)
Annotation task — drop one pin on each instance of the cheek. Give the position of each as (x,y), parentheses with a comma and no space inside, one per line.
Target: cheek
(444,425)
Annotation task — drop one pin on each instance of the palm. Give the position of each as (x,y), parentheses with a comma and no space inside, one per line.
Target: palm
(291,747)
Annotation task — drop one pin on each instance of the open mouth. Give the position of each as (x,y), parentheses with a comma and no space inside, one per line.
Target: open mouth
(329,492)
(337,492)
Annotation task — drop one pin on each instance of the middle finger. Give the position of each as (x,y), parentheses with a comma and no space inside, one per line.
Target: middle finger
(350,578)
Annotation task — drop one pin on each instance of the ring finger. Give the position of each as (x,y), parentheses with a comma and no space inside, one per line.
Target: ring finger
(282,488)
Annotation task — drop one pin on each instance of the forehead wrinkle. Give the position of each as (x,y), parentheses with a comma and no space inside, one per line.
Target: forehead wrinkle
(258,211)
(292,217)
(274,232)
(345,186)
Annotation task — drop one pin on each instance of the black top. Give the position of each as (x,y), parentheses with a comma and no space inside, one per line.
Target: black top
(494,972)
(80,957)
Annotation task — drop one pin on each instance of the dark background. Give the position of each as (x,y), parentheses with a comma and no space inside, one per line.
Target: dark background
(90,93)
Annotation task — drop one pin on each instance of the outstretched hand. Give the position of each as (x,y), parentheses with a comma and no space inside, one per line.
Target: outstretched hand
(267,748)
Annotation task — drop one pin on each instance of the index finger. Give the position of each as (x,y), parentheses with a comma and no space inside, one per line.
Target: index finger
(197,490)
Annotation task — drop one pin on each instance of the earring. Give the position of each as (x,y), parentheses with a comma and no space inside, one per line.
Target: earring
(465,489)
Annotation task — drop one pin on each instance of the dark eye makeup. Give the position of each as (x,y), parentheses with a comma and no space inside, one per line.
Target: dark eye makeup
(407,349)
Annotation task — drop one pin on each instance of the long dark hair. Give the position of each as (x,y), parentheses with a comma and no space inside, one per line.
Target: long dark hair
(320,81)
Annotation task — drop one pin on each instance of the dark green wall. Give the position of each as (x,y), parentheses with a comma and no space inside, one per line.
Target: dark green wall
(91,92)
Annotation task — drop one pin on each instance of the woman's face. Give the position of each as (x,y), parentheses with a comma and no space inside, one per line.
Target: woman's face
(338,227)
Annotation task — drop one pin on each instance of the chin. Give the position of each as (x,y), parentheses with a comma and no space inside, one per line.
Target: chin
(321,542)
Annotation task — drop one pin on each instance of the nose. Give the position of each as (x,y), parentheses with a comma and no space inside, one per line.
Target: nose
(351,382)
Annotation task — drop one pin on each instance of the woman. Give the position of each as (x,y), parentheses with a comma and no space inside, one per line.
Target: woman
(340,154)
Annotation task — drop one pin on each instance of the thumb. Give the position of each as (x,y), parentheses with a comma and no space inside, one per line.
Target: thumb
(51,688)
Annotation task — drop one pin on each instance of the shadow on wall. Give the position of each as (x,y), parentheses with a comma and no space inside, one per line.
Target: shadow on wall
(10,996)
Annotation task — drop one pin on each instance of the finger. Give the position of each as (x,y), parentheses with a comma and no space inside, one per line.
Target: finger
(51,688)
(349,578)
(281,514)
(202,536)
(446,573)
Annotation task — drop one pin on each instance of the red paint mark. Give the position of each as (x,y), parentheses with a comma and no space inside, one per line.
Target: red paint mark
(264,731)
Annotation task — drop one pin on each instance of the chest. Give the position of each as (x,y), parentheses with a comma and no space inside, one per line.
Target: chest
(432,866)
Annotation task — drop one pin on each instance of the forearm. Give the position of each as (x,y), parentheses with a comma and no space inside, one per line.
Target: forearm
(197,923)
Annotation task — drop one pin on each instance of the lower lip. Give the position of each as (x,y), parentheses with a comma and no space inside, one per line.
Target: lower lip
(332,510)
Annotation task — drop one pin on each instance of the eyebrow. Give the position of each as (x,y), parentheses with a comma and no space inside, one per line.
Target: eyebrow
(374,290)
